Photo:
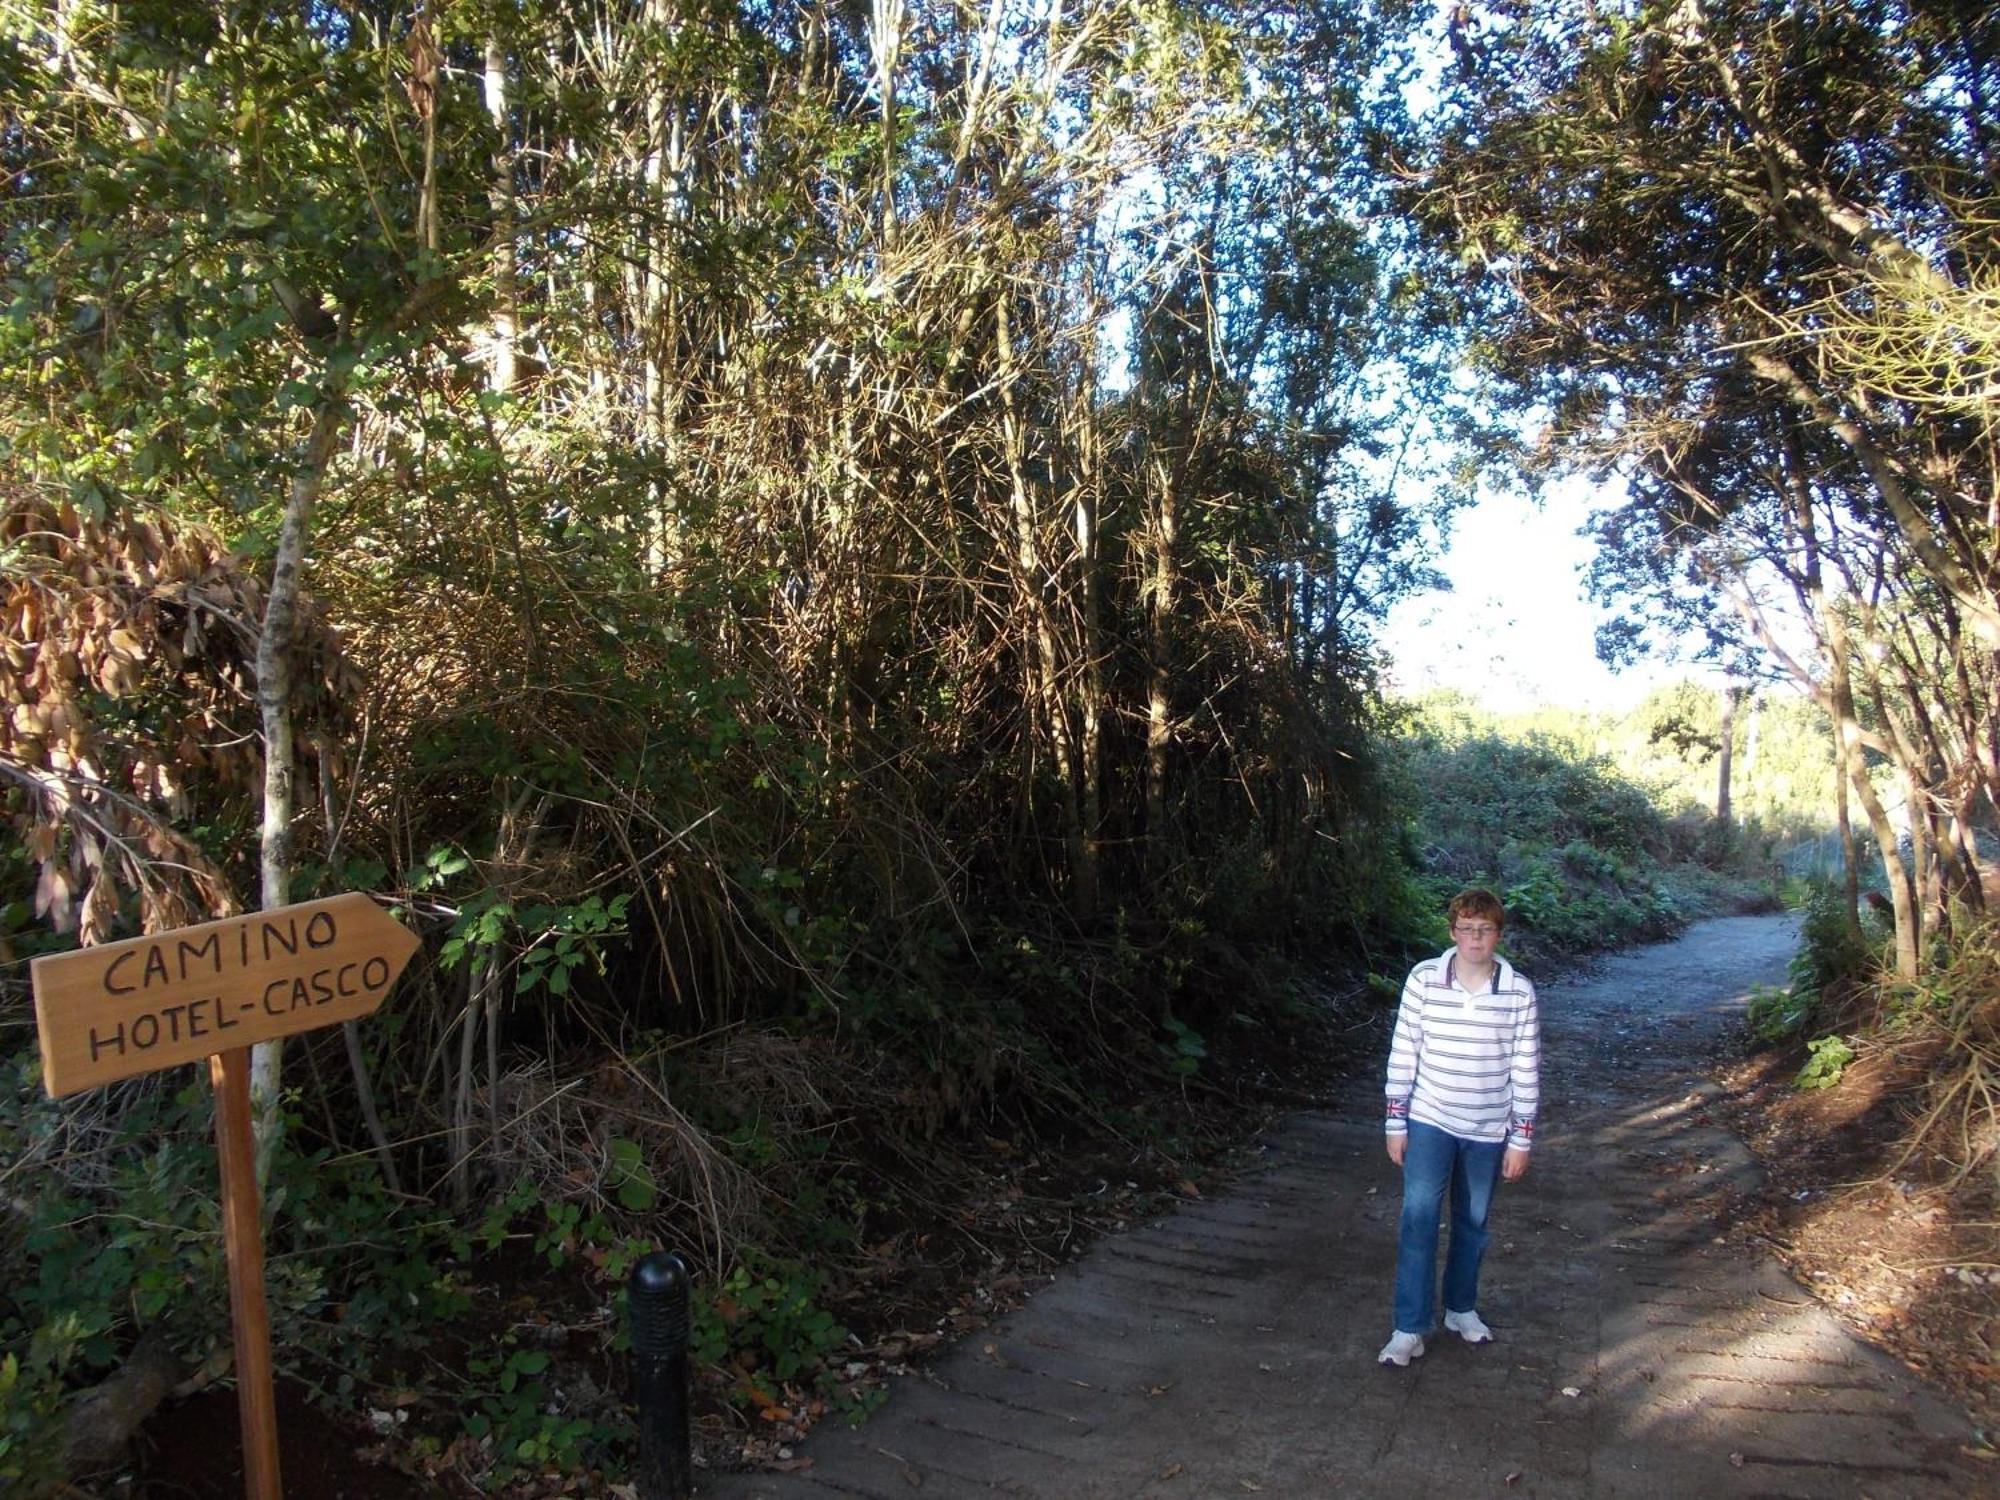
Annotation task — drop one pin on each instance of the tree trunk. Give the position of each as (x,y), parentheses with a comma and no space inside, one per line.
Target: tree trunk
(426,68)
(1850,850)
(1160,657)
(1089,487)
(274,705)
(102,1420)
(886,43)
(1837,696)
(350,1032)
(1902,890)
(1923,849)
(661,123)
(1725,757)
(506,291)
(480,981)
(1966,586)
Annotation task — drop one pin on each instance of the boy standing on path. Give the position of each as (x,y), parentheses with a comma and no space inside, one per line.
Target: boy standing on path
(1463,1085)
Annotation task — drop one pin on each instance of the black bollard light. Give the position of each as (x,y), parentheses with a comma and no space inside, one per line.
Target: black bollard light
(658,1294)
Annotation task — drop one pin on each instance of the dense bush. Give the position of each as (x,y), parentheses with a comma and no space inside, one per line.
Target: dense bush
(1669,745)
(1583,857)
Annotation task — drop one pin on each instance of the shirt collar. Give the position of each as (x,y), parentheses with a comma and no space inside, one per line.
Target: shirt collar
(1495,980)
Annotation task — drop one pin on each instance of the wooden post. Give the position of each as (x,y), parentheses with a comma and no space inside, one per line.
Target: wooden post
(243,1240)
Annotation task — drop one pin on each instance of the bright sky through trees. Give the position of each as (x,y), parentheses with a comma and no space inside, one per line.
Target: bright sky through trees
(1515,629)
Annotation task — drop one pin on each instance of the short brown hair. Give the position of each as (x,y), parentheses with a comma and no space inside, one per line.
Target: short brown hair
(1476,902)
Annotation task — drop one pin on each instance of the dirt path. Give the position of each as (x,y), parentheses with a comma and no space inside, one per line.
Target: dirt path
(1642,1350)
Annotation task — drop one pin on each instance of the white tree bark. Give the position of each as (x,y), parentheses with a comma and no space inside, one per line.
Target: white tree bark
(274,705)
(506,291)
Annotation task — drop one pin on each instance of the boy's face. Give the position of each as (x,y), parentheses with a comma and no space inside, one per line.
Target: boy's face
(1475,938)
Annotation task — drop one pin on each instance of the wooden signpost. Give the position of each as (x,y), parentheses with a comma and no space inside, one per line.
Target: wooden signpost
(212,991)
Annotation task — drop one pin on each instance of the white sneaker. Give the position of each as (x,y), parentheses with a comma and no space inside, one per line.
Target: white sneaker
(1402,1348)
(1467,1325)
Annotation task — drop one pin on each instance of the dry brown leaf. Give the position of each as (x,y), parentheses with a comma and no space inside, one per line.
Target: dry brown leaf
(97,919)
(52,896)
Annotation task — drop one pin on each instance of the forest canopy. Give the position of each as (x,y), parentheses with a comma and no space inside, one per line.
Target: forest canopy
(1742,256)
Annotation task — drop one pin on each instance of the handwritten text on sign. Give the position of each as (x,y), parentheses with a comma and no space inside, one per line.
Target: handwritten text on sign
(123,1008)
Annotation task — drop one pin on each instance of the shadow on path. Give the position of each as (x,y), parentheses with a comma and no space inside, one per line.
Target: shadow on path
(1229,1349)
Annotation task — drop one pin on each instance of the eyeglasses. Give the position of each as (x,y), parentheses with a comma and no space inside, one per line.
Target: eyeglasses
(1475,930)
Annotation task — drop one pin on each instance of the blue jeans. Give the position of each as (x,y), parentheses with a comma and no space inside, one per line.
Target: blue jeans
(1433,1160)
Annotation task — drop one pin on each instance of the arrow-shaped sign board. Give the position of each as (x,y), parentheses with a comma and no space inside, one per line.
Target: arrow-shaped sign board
(118,1009)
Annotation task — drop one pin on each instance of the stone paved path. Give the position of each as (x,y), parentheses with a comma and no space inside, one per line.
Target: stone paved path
(1229,1349)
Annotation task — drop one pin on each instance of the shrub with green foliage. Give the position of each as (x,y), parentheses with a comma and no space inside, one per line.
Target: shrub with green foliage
(360,1283)
(125,1237)
(1582,857)
(1833,951)
(1777,1011)
(1669,745)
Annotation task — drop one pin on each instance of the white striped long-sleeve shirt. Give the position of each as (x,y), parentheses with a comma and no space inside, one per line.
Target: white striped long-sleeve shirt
(1465,1063)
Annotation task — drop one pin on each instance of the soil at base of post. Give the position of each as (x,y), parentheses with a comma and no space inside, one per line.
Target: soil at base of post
(191,1450)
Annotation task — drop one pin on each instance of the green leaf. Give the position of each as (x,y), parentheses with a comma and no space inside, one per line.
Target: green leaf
(624,1154)
(1830,1057)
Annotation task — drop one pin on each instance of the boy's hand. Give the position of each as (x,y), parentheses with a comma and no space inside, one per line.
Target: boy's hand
(1398,1144)
(1514,1165)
